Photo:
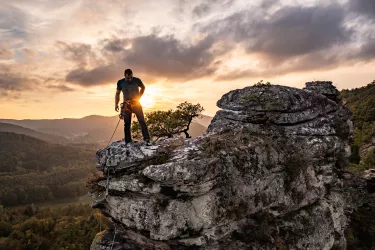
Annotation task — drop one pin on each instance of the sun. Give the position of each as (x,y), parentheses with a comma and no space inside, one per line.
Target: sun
(147,101)
(151,97)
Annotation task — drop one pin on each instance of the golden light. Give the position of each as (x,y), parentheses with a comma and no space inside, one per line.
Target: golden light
(151,97)
(147,101)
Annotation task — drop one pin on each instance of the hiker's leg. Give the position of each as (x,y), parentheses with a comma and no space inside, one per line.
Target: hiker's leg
(127,125)
(137,109)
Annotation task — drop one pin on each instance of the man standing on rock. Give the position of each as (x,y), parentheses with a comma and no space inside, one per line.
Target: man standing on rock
(130,88)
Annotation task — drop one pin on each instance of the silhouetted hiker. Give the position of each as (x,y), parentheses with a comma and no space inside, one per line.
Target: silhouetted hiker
(130,88)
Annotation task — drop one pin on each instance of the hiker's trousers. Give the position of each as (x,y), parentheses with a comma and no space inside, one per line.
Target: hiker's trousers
(137,110)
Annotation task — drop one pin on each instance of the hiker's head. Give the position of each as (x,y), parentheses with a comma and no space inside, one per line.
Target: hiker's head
(128,74)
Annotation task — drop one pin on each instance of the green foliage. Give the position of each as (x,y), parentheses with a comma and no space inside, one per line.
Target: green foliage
(71,227)
(261,83)
(361,101)
(171,122)
(364,133)
(357,168)
(369,159)
(32,170)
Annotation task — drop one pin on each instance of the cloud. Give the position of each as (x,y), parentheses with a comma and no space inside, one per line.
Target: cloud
(208,6)
(10,81)
(61,87)
(367,50)
(290,31)
(6,53)
(44,4)
(115,44)
(13,23)
(290,39)
(308,62)
(28,52)
(12,84)
(170,58)
(201,9)
(79,53)
(100,75)
(157,57)
(365,7)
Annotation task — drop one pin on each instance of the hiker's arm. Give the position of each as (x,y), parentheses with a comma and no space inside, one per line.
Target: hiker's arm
(142,91)
(117,99)
(117,96)
(142,86)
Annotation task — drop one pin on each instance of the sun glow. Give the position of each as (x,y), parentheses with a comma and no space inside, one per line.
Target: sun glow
(152,97)
(147,101)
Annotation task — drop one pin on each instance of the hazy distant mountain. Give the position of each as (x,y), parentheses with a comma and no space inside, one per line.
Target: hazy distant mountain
(7,127)
(204,120)
(93,128)
(196,129)
(67,127)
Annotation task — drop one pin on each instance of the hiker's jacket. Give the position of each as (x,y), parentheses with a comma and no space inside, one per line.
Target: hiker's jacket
(130,90)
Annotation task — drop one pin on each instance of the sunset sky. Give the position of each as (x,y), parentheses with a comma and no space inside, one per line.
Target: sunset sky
(62,58)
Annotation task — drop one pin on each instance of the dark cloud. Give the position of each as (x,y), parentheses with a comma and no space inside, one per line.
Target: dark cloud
(201,9)
(208,6)
(80,53)
(290,31)
(286,39)
(309,62)
(366,7)
(12,84)
(157,57)
(10,81)
(97,76)
(62,88)
(170,58)
(266,4)
(115,44)
(367,50)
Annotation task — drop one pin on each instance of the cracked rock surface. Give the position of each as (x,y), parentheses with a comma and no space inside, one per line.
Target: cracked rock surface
(267,174)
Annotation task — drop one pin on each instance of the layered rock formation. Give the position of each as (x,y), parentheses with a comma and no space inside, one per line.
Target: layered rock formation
(268,174)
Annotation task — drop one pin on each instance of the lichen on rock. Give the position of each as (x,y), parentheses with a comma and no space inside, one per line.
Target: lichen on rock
(267,174)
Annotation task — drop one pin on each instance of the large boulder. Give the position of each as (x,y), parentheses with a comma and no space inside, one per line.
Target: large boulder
(267,174)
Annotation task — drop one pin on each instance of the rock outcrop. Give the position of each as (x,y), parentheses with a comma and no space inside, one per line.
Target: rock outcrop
(267,174)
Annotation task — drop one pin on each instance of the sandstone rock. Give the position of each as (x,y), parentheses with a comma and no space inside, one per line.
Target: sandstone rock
(325,88)
(266,175)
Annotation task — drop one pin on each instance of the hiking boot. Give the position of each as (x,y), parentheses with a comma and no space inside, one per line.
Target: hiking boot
(148,143)
(128,143)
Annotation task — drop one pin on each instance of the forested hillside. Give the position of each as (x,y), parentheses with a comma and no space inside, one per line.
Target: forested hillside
(360,233)
(32,170)
(31,227)
(361,101)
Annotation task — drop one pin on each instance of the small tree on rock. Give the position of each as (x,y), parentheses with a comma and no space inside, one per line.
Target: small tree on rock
(171,122)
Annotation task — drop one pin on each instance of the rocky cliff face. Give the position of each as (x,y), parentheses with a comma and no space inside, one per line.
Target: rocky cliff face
(268,174)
